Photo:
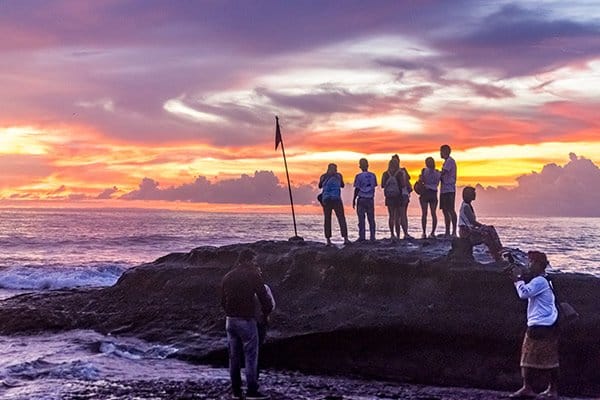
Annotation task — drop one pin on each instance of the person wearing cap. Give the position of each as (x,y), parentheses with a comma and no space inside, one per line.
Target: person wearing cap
(539,351)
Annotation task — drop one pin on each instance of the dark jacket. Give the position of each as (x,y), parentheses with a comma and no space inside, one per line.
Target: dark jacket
(237,293)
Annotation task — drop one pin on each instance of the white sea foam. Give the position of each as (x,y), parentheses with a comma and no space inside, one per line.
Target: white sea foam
(59,277)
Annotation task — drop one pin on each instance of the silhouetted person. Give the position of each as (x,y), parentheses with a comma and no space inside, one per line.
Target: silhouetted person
(539,351)
(476,232)
(332,183)
(238,290)
(364,199)
(448,189)
(406,190)
(392,182)
(431,179)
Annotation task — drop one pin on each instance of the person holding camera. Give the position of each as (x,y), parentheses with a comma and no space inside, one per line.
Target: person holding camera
(539,352)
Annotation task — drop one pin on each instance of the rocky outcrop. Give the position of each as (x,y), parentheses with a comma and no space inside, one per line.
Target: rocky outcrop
(395,310)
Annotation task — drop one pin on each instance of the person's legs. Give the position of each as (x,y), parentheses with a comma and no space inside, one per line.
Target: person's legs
(370,210)
(327,207)
(391,218)
(552,389)
(404,218)
(249,336)
(446,212)
(261,328)
(452,212)
(492,241)
(527,389)
(361,212)
(397,219)
(433,207)
(235,356)
(423,203)
(338,208)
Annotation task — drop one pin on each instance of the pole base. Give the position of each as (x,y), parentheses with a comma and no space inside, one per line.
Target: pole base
(296,239)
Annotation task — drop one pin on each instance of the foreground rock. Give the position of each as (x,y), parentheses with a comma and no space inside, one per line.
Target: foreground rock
(398,311)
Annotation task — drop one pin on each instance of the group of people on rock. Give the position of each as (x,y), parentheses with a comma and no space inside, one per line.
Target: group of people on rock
(397,188)
(248,301)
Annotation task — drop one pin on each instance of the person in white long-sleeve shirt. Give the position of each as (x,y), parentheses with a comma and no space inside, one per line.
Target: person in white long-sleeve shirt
(540,346)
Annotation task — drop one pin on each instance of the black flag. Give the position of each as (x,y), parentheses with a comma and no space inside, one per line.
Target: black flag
(277,133)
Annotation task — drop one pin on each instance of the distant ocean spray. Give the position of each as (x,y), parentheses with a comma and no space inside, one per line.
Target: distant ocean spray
(62,248)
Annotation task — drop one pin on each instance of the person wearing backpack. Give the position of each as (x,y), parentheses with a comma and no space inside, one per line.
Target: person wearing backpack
(539,351)
(332,183)
(391,182)
(364,199)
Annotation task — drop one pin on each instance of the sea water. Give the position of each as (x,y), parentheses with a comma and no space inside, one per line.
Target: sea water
(45,249)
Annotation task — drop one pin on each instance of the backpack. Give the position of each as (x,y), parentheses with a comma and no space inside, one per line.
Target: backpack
(392,188)
(332,188)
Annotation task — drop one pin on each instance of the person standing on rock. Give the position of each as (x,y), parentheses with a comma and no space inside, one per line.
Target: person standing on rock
(539,351)
(332,183)
(431,179)
(364,199)
(448,189)
(392,182)
(238,290)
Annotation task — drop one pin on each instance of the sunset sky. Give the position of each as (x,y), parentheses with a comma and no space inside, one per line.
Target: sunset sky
(116,101)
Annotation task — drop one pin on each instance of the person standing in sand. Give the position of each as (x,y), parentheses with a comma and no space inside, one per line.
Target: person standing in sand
(448,189)
(332,183)
(238,290)
(539,351)
(364,199)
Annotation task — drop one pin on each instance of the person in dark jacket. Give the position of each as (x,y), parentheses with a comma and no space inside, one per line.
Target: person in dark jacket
(239,289)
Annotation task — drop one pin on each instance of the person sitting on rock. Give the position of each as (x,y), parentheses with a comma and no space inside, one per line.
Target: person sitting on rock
(476,232)
(238,289)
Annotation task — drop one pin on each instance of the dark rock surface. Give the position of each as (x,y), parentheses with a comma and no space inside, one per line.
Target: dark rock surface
(402,311)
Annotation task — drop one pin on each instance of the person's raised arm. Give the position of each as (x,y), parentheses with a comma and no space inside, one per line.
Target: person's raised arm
(531,289)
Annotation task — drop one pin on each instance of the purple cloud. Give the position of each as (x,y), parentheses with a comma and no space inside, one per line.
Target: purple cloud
(107,193)
(555,191)
(261,188)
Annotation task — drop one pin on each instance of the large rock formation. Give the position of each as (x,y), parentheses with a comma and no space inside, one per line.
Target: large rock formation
(401,311)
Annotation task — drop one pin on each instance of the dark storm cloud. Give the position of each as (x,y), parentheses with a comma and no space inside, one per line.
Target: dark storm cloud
(261,188)
(106,193)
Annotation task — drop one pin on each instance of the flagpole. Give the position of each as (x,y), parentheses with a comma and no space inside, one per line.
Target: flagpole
(279,139)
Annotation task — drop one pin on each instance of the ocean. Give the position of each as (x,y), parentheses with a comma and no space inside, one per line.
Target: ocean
(46,249)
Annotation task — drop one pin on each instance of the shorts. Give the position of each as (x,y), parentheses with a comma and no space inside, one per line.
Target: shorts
(447,201)
(397,201)
(429,197)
